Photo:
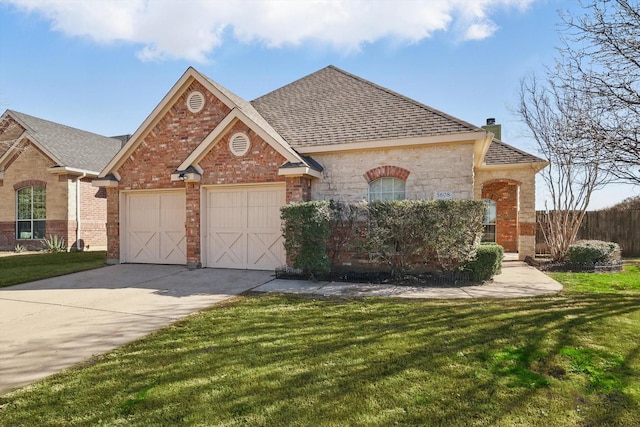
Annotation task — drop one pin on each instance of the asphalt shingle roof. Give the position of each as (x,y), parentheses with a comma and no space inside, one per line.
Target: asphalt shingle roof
(332,106)
(500,153)
(73,147)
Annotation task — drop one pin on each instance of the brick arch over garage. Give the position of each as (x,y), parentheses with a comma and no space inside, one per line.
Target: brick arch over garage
(386,171)
(506,193)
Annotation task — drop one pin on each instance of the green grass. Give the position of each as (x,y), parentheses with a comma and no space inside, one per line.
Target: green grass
(571,359)
(565,360)
(627,280)
(26,268)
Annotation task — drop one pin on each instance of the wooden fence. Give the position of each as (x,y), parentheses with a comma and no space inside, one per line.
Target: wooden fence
(622,227)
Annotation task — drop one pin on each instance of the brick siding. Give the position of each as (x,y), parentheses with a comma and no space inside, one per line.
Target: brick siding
(505,194)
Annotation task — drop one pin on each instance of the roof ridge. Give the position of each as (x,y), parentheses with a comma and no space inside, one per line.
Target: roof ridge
(404,97)
(292,83)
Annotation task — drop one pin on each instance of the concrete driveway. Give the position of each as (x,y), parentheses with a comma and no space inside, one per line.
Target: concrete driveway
(51,324)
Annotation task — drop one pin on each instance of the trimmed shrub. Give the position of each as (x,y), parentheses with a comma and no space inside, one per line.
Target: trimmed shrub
(393,234)
(592,252)
(487,263)
(455,231)
(306,232)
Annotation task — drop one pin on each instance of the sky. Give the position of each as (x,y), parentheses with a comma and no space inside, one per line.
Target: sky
(103,65)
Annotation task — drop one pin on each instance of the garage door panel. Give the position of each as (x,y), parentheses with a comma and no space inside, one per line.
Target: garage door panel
(173,247)
(154,231)
(265,250)
(243,227)
(142,244)
(228,249)
(143,212)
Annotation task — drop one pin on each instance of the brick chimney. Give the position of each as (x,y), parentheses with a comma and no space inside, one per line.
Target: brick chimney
(494,128)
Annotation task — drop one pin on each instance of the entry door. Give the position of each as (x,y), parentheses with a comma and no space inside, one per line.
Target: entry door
(243,227)
(154,228)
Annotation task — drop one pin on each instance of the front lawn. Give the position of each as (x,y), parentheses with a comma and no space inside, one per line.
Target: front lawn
(26,268)
(627,280)
(565,360)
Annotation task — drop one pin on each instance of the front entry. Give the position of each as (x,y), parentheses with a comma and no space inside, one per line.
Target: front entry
(242,226)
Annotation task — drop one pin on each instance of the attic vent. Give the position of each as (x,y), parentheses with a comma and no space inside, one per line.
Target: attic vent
(239,144)
(195,102)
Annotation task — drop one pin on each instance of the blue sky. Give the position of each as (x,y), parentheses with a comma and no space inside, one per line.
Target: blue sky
(104,65)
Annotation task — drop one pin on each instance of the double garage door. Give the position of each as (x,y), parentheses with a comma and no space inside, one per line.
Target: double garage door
(240,227)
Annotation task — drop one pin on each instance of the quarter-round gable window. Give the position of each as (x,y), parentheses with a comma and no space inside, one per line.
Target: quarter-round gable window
(239,144)
(386,188)
(195,101)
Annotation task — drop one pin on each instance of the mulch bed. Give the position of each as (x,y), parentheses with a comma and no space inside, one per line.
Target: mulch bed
(428,279)
(565,267)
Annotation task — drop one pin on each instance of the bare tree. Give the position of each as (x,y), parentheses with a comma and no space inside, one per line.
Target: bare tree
(564,124)
(602,51)
(10,135)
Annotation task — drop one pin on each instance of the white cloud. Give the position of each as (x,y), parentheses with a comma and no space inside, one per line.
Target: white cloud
(193,29)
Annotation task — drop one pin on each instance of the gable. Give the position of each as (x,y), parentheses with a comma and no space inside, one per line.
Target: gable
(72,150)
(260,164)
(175,134)
(175,137)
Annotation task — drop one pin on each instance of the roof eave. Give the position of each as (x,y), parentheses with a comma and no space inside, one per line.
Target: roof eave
(66,170)
(536,166)
(108,181)
(463,137)
(299,171)
(481,148)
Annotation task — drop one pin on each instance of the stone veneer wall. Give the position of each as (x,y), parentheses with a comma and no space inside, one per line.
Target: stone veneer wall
(431,168)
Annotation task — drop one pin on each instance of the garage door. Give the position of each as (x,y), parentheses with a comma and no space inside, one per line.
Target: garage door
(243,227)
(154,228)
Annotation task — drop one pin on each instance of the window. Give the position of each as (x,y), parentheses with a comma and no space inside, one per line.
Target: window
(31,213)
(386,188)
(489,221)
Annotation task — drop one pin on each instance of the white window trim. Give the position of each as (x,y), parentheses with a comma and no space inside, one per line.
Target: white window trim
(31,219)
(394,192)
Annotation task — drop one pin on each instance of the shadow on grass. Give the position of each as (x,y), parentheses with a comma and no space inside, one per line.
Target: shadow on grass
(300,360)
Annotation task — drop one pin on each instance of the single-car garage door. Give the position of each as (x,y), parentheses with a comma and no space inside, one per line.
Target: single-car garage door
(243,227)
(154,228)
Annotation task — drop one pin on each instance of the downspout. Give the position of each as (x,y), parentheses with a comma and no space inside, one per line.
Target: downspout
(78,221)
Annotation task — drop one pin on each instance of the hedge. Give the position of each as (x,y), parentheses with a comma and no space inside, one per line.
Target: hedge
(397,235)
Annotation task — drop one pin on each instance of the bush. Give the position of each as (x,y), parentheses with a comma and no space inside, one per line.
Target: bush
(487,263)
(592,252)
(455,232)
(306,233)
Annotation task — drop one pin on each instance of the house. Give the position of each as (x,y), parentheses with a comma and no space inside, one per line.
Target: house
(202,180)
(46,171)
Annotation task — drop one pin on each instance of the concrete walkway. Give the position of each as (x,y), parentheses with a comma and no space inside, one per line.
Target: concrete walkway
(517,280)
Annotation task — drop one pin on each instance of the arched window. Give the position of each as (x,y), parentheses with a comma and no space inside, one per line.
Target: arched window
(489,221)
(31,213)
(386,188)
